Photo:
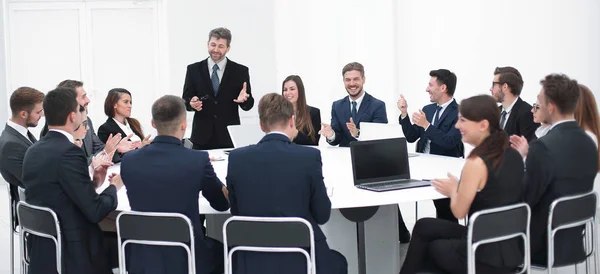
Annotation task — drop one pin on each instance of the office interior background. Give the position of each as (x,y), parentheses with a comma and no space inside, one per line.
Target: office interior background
(145,46)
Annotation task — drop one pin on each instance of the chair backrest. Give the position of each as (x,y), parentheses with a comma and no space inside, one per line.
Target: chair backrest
(37,220)
(21,194)
(154,228)
(568,212)
(269,234)
(245,135)
(42,222)
(499,224)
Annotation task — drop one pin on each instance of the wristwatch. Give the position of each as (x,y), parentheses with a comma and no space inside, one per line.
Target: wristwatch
(358,133)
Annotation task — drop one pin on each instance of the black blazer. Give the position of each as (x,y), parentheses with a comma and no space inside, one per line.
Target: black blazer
(111,127)
(371,110)
(315,119)
(276,178)
(173,184)
(13,146)
(563,162)
(445,138)
(91,143)
(55,175)
(210,124)
(520,122)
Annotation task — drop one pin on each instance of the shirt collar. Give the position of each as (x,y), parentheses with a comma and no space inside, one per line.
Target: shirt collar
(560,122)
(221,64)
(119,123)
(19,128)
(359,99)
(445,105)
(279,132)
(507,110)
(66,134)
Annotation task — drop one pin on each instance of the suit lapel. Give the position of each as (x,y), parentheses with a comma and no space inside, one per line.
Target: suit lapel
(226,75)
(87,143)
(514,112)
(364,105)
(15,133)
(346,110)
(446,112)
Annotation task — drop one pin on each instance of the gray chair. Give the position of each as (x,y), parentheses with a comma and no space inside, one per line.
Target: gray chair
(41,222)
(12,228)
(496,225)
(267,234)
(159,229)
(568,212)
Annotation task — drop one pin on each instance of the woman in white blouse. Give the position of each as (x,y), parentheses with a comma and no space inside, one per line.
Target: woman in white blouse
(117,107)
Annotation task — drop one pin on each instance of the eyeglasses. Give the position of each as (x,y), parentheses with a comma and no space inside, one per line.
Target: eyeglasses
(535,107)
(497,83)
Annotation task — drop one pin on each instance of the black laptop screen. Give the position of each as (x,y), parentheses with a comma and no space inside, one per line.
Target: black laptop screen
(379,160)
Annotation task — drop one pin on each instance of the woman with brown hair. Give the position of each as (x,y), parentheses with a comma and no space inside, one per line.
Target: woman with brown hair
(308,119)
(586,113)
(117,107)
(491,178)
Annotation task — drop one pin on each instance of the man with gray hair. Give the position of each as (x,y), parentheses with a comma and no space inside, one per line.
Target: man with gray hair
(213,89)
(164,176)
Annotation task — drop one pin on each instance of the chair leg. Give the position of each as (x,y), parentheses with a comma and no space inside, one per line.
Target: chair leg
(11,255)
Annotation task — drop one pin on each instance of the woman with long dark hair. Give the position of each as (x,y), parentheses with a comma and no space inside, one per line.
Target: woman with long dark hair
(491,177)
(308,119)
(117,107)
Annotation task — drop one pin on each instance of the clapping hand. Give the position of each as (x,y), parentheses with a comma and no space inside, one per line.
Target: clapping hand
(402,105)
(519,143)
(326,131)
(446,187)
(420,119)
(352,128)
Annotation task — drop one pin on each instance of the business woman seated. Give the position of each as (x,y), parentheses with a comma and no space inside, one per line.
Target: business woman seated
(491,177)
(117,107)
(308,119)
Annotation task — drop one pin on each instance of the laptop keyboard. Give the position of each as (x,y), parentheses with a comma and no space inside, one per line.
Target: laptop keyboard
(391,183)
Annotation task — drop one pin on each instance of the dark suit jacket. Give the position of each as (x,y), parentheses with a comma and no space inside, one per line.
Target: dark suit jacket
(166,177)
(302,138)
(561,163)
(91,143)
(277,178)
(111,127)
(210,124)
(520,122)
(55,175)
(445,139)
(371,110)
(13,146)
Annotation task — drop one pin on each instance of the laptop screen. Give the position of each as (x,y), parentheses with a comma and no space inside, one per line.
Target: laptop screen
(379,160)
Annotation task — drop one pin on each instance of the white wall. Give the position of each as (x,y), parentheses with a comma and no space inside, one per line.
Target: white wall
(4,113)
(399,42)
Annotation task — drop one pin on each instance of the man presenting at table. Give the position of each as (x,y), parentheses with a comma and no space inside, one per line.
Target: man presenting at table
(277,178)
(164,176)
(213,89)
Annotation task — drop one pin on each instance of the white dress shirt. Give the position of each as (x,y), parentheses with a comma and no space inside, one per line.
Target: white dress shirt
(444,107)
(66,134)
(221,64)
(19,128)
(358,103)
(508,111)
(593,136)
(127,130)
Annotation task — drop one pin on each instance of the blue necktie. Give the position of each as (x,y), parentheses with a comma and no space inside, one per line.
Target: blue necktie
(354,112)
(214,78)
(437,115)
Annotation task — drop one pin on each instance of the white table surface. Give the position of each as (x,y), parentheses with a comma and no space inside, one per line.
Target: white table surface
(337,173)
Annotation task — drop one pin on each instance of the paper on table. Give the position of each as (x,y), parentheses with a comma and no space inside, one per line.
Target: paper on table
(330,191)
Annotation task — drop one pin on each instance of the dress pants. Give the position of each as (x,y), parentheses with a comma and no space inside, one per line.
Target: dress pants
(440,246)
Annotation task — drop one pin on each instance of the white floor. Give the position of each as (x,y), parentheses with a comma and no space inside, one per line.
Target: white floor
(408,210)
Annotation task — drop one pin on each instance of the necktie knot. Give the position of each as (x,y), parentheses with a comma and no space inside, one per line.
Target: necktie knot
(354,104)
(215,67)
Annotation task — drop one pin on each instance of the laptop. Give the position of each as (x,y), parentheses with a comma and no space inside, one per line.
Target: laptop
(382,165)
(377,131)
(245,135)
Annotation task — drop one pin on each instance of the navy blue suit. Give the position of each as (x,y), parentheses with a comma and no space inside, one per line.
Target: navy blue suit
(276,178)
(166,177)
(445,140)
(371,110)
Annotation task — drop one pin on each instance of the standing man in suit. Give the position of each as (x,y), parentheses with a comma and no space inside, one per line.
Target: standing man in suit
(358,106)
(173,184)
(563,162)
(55,175)
(277,178)
(434,126)
(26,108)
(213,89)
(516,117)
(91,143)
